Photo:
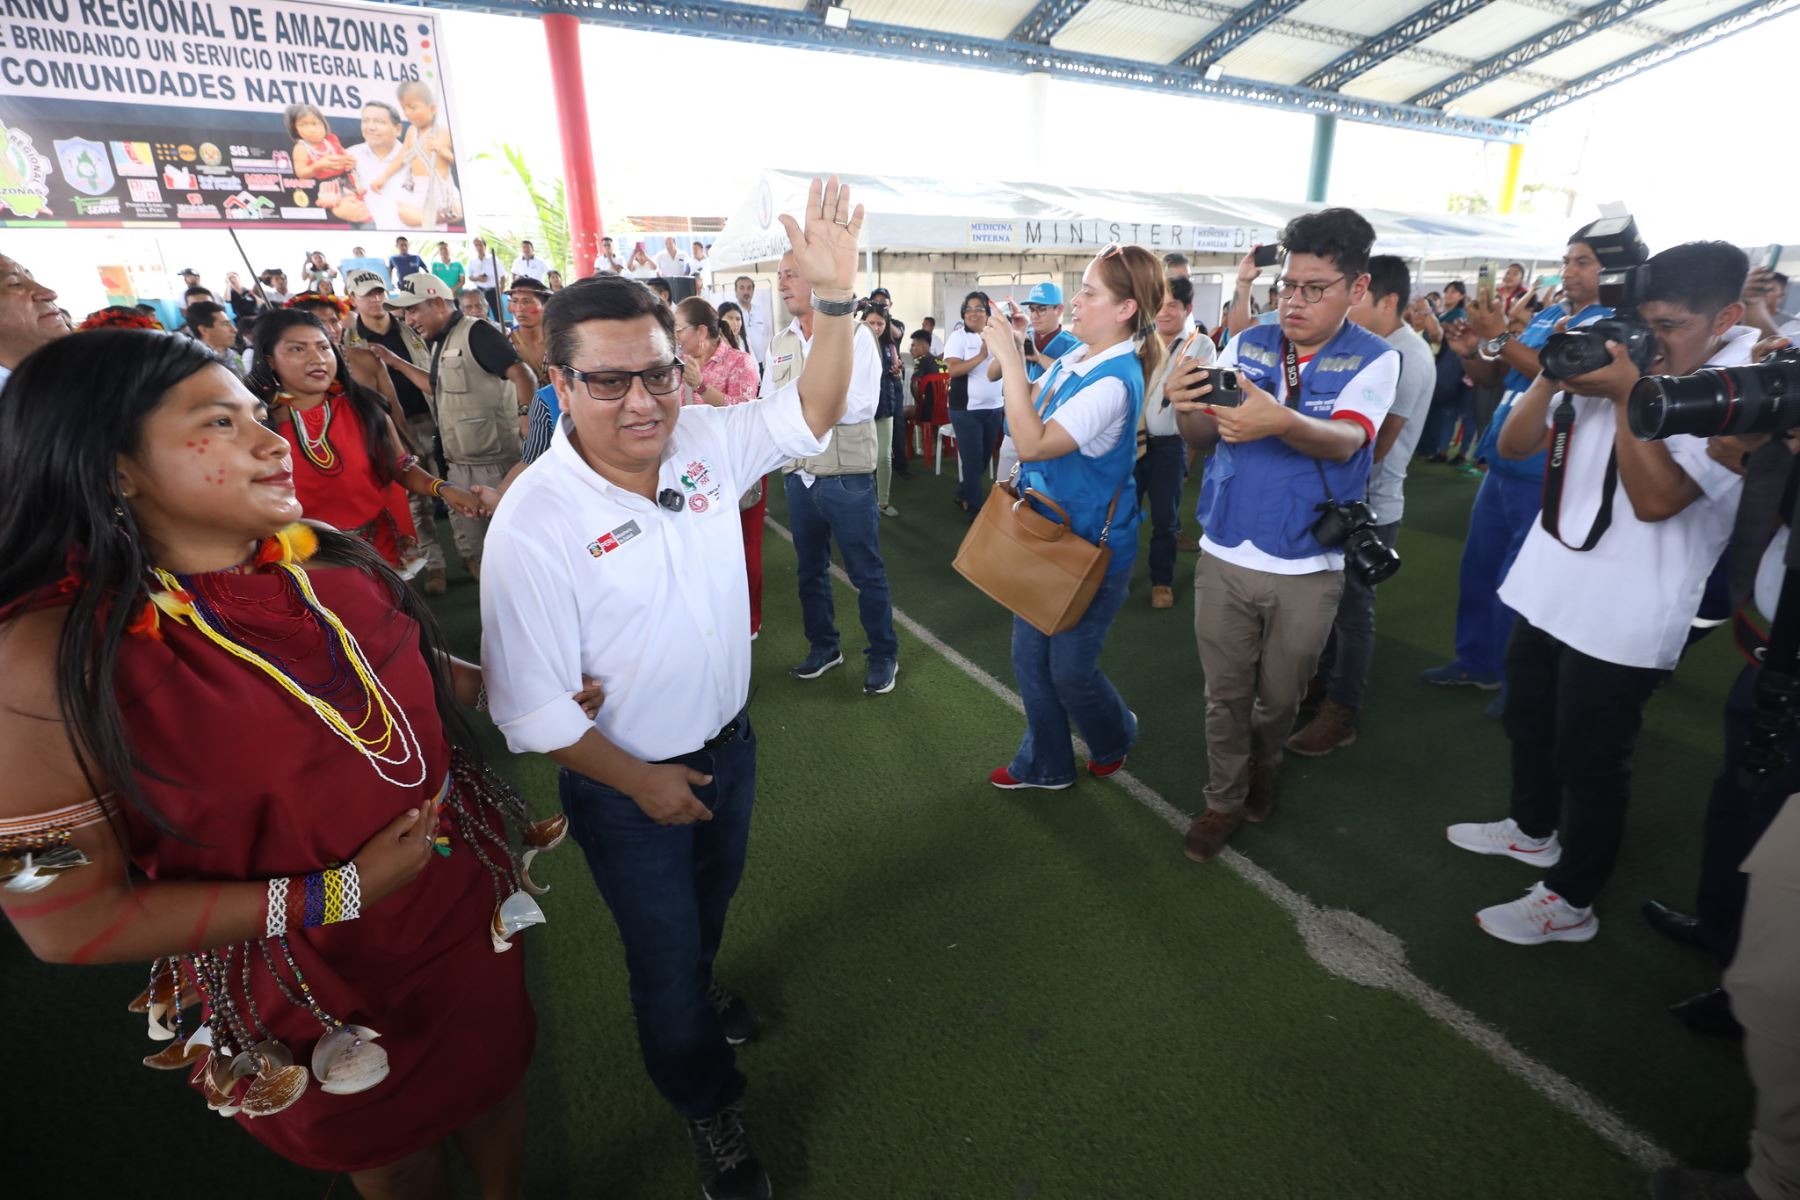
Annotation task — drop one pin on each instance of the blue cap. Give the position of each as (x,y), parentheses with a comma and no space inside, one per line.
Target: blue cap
(1045,293)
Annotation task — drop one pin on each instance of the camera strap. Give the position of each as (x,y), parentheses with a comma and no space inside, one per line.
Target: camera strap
(1290,366)
(1556,469)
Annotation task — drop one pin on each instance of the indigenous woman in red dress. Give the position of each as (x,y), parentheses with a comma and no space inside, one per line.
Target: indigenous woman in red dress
(231,747)
(347,455)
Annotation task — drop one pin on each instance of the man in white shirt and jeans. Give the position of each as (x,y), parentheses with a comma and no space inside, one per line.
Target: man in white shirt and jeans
(1606,587)
(831,496)
(619,557)
(1344,667)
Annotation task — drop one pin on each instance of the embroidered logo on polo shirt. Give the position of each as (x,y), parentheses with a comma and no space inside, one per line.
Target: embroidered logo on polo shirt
(697,475)
(606,543)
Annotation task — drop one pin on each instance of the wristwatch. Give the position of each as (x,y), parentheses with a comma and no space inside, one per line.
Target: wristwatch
(833,308)
(1491,348)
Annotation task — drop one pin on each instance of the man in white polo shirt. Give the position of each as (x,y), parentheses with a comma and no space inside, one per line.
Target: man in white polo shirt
(618,555)
(1606,587)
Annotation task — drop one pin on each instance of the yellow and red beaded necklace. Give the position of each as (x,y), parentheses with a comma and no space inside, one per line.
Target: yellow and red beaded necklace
(316,447)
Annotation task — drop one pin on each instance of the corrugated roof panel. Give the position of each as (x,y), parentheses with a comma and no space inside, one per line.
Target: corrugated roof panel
(1684,16)
(1279,58)
(1356,16)
(1397,80)
(1590,54)
(1501,96)
(1131,31)
(1486,33)
(972,18)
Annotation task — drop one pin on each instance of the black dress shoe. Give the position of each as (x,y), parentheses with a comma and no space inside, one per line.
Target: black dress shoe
(1708,1013)
(1676,926)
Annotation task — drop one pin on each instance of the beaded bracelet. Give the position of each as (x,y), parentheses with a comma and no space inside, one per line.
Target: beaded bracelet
(327,897)
(405,463)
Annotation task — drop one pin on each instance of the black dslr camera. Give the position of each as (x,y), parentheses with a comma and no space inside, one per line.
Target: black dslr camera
(1352,527)
(1716,401)
(1624,281)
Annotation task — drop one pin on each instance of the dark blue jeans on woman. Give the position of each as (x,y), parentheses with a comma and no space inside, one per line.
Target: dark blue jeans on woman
(668,887)
(1059,680)
(977,437)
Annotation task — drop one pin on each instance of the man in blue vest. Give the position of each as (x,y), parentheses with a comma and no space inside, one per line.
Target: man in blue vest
(1315,388)
(1508,501)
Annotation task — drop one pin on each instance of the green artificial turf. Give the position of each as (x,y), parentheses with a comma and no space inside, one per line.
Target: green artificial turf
(1012,996)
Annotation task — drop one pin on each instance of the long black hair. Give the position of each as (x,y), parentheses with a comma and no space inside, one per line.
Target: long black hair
(265,385)
(67,414)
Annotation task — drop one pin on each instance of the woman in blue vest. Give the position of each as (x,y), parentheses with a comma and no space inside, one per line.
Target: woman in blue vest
(1075,433)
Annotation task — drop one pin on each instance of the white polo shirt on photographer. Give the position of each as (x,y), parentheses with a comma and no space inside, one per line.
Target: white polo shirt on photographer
(580,577)
(1632,598)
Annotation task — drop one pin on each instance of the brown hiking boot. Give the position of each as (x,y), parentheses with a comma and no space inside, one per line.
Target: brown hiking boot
(1315,692)
(1209,833)
(1332,729)
(436,582)
(1162,596)
(1261,800)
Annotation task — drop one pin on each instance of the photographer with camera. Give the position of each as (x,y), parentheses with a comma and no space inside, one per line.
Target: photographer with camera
(1509,497)
(1282,506)
(1605,590)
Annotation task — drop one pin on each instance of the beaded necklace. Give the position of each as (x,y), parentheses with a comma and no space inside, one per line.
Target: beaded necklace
(389,741)
(316,448)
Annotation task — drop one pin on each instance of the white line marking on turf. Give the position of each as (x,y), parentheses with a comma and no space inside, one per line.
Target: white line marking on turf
(1347,944)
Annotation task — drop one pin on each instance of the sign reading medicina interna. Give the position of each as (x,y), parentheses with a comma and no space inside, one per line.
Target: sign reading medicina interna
(208,113)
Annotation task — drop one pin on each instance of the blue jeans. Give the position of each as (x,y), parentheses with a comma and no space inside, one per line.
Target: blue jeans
(1059,679)
(1504,509)
(1161,472)
(668,887)
(841,507)
(977,437)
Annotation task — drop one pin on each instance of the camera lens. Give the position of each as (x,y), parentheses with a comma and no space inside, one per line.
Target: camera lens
(1369,558)
(1764,398)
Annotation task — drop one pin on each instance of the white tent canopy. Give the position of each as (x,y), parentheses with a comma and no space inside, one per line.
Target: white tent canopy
(910,215)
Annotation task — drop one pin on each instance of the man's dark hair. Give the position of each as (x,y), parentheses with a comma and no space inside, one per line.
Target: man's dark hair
(187,297)
(987,305)
(1779,278)
(927,321)
(741,279)
(922,336)
(1459,287)
(402,238)
(202,315)
(599,298)
(1340,234)
(393,114)
(149,310)
(1182,290)
(1173,259)
(1388,276)
(525,243)
(526,283)
(1702,277)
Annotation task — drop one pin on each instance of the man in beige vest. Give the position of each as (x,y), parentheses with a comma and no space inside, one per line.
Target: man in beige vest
(832,495)
(479,391)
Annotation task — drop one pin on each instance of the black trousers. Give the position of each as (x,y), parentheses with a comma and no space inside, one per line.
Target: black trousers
(1573,721)
(1735,821)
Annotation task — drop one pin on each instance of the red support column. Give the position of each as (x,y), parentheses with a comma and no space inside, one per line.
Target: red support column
(563,33)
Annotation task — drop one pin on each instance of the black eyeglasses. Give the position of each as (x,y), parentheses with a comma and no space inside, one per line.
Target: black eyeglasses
(609,387)
(1312,293)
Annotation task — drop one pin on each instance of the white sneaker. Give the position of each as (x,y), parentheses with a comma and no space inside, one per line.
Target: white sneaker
(1538,916)
(1505,837)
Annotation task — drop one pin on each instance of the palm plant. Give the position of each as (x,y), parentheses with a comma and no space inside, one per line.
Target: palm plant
(551,236)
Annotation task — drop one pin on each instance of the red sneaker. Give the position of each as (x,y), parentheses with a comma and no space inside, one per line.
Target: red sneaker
(1100,770)
(1003,779)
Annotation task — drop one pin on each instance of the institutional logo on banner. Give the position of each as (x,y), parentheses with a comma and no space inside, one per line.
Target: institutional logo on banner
(84,165)
(133,158)
(24,175)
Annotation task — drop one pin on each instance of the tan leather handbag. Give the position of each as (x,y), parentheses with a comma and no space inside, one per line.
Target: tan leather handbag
(1037,568)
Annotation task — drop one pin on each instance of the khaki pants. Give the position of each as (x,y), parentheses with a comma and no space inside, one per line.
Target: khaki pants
(471,532)
(421,431)
(1260,636)
(1764,982)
